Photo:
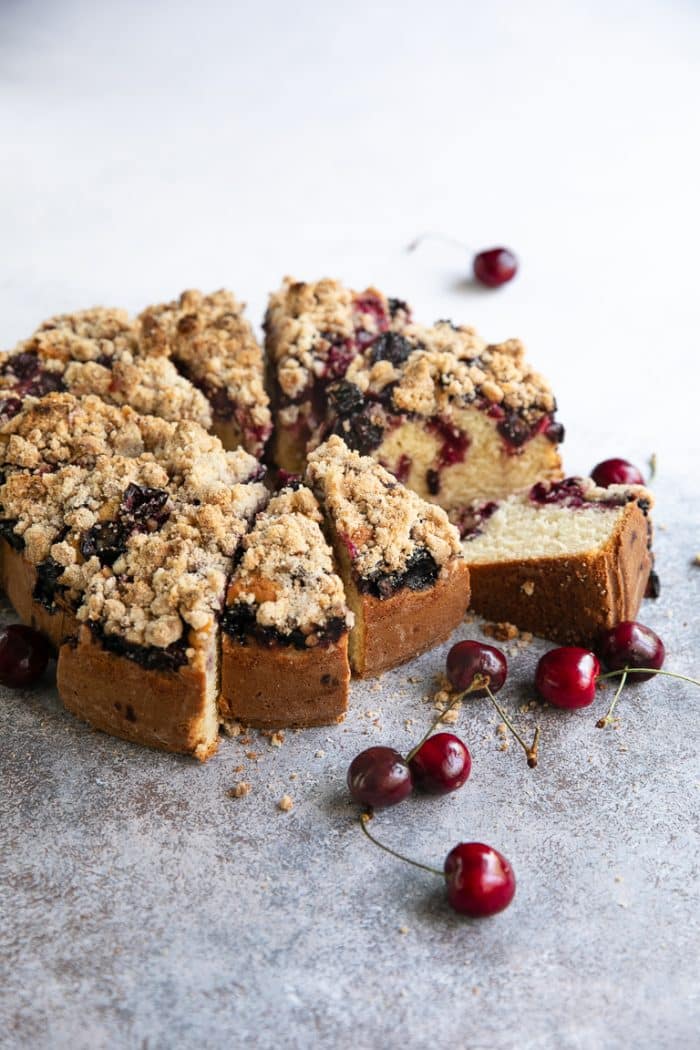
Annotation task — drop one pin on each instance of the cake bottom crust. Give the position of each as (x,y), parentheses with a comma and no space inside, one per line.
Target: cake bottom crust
(172,711)
(571,599)
(17,579)
(390,631)
(282,687)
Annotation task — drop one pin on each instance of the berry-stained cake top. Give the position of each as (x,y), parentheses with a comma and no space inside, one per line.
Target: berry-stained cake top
(97,352)
(213,343)
(382,524)
(314,329)
(286,578)
(430,369)
(174,578)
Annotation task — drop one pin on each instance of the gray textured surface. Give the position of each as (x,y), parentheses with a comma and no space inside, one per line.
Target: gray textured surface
(145,908)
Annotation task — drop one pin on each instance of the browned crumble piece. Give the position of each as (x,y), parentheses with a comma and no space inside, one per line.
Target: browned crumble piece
(502,632)
(285,803)
(240,790)
(277,739)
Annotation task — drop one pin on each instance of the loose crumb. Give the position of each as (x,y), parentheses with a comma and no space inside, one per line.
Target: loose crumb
(528,588)
(231,728)
(277,739)
(404,929)
(286,803)
(502,632)
(320,753)
(252,755)
(696,559)
(240,790)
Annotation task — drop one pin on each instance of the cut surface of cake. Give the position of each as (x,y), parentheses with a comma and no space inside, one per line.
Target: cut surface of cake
(314,330)
(564,559)
(212,343)
(405,578)
(285,626)
(454,418)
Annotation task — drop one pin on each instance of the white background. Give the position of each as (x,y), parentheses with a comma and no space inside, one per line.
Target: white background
(147,147)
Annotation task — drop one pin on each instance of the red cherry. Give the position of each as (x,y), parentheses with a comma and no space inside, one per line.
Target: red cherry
(24,654)
(495,267)
(566,677)
(441,764)
(616,472)
(480,881)
(379,777)
(466,660)
(631,644)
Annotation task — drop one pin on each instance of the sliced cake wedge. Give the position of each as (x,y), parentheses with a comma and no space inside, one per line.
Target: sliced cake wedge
(285,626)
(399,557)
(564,559)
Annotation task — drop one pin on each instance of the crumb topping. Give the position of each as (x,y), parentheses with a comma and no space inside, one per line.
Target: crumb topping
(286,574)
(213,343)
(446,365)
(171,581)
(381,523)
(313,325)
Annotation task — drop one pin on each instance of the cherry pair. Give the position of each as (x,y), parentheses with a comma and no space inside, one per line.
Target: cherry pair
(567,676)
(491,267)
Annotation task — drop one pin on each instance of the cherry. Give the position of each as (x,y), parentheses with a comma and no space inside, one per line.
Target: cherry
(495,267)
(441,764)
(631,644)
(566,677)
(24,654)
(480,881)
(468,659)
(379,777)
(616,472)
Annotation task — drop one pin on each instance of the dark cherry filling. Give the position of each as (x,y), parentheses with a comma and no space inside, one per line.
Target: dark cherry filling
(372,305)
(239,622)
(397,306)
(287,480)
(149,656)
(31,379)
(391,347)
(345,398)
(9,407)
(142,509)
(452,450)
(403,468)
(7,531)
(516,431)
(420,573)
(469,520)
(568,493)
(47,587)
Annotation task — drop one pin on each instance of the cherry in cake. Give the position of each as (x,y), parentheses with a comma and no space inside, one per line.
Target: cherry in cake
(313,333)
(454,418)
(286,623)
(211,342)
(564,559)
(399,557)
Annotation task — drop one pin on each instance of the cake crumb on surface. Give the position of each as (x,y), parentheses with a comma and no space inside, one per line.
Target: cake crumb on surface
(320,753)
(240,790)
(404,929)
(285,803)
(528,587)
(277,739)
(502,632)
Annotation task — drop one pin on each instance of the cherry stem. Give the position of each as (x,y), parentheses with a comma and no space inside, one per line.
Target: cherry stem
(432,235)
(479,682)
(364,821)
(530,752)
(647,670)
(602,723)
(652,467)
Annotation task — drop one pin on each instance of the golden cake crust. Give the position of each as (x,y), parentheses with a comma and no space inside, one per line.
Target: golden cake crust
(569,600)
(172,711)
(279,686)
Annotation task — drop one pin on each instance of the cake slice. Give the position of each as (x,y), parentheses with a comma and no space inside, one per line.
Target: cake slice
(313,332)
(211,342)
(399,557)
(564,560)
(455,419)
(97,352)
(285,626)
(145,665)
